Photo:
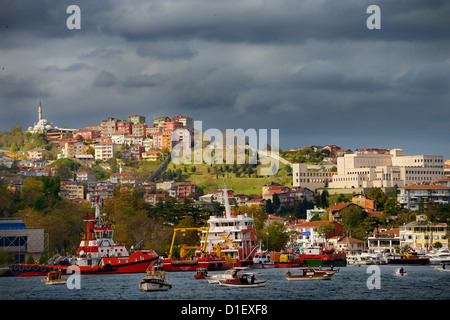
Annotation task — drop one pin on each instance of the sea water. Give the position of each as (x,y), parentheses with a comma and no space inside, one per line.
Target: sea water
(350,283)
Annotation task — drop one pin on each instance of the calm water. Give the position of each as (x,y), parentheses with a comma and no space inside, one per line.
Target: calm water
(421,283)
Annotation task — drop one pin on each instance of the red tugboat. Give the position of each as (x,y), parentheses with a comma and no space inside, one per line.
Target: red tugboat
(227,242)
(97,254)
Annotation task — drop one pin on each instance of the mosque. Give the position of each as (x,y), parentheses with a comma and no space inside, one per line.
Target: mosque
(42,126)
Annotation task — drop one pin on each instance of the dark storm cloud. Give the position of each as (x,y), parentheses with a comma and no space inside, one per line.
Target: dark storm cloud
(143,81)
(310,68)
(104,79)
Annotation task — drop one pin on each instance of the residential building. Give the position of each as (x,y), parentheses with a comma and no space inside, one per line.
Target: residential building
(152,130)
(86,176)
(86,134)
(413,196)
(421,234)
(73,148)
(108,126)
(136,119)
(151,155)
(316,211)
(36,154)
(347,244)
(118,137)
(166,142)
(187,122)
(171,126)
(85,159)
(159,122)
(384,241)
(185,189)
(72,190)
(105,150)
(365,202)
(103,189)
(166,185)
(308,235)
(153,198)
(124,127)
(139,129)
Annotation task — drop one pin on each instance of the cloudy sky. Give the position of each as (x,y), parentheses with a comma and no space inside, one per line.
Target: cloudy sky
(310,68)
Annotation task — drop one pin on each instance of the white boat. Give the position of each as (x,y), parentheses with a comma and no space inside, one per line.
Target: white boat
(359,260)
(439,257)
(442,269)
(400,272)
(155,280)
(262,260)
(228,274)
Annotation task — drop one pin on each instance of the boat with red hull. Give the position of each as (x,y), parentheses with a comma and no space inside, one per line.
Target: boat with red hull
(228,241)
(314,256)
(96,254)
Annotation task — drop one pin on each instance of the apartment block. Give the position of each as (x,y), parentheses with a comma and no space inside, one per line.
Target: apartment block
(105,150)
(413,196)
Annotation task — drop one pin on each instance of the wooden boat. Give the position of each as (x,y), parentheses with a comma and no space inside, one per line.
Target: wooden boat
(202,273)
(228,274)
(310,274)
(54,277)
(243,280)
(155,280)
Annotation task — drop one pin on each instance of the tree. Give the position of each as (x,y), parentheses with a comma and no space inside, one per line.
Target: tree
(276,236)
(269,207)
(325,231)
(276,202)
(352,219)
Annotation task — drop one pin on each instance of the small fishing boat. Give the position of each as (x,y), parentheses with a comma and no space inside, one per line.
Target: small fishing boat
(54,277)
(155,280)
(243,280)
(228,274)
(310,274)
(202,273)
(400,272)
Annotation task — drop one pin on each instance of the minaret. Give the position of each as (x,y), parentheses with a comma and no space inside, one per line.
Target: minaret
(40,111)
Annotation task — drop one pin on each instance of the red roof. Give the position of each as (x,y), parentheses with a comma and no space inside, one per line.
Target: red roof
(425,186)
(340,206)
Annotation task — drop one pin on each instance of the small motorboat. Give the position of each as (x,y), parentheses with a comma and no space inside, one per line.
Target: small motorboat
(243,280)
(54,277)
(442,268)
(228,274)
(155,280)
(310,274)
(400,272)
(202,273)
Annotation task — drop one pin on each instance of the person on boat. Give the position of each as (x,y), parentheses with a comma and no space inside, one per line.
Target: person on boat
(443,265)
(253,278)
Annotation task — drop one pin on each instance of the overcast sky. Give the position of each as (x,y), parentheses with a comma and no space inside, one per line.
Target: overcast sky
(311,69)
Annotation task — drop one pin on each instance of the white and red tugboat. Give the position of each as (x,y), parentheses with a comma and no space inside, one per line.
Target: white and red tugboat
(228,241)
(96,254)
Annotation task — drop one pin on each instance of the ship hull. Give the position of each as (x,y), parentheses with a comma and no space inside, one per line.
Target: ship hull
(135,263)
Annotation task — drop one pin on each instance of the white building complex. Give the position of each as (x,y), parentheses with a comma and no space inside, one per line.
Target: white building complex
(359,170)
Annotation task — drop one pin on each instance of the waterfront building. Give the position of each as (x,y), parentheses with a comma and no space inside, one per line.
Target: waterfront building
(384,241)
(308,236)
(22,241)
(347,244)
(422,234)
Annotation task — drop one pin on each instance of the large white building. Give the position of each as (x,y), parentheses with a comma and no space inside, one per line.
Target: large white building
(363,170)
